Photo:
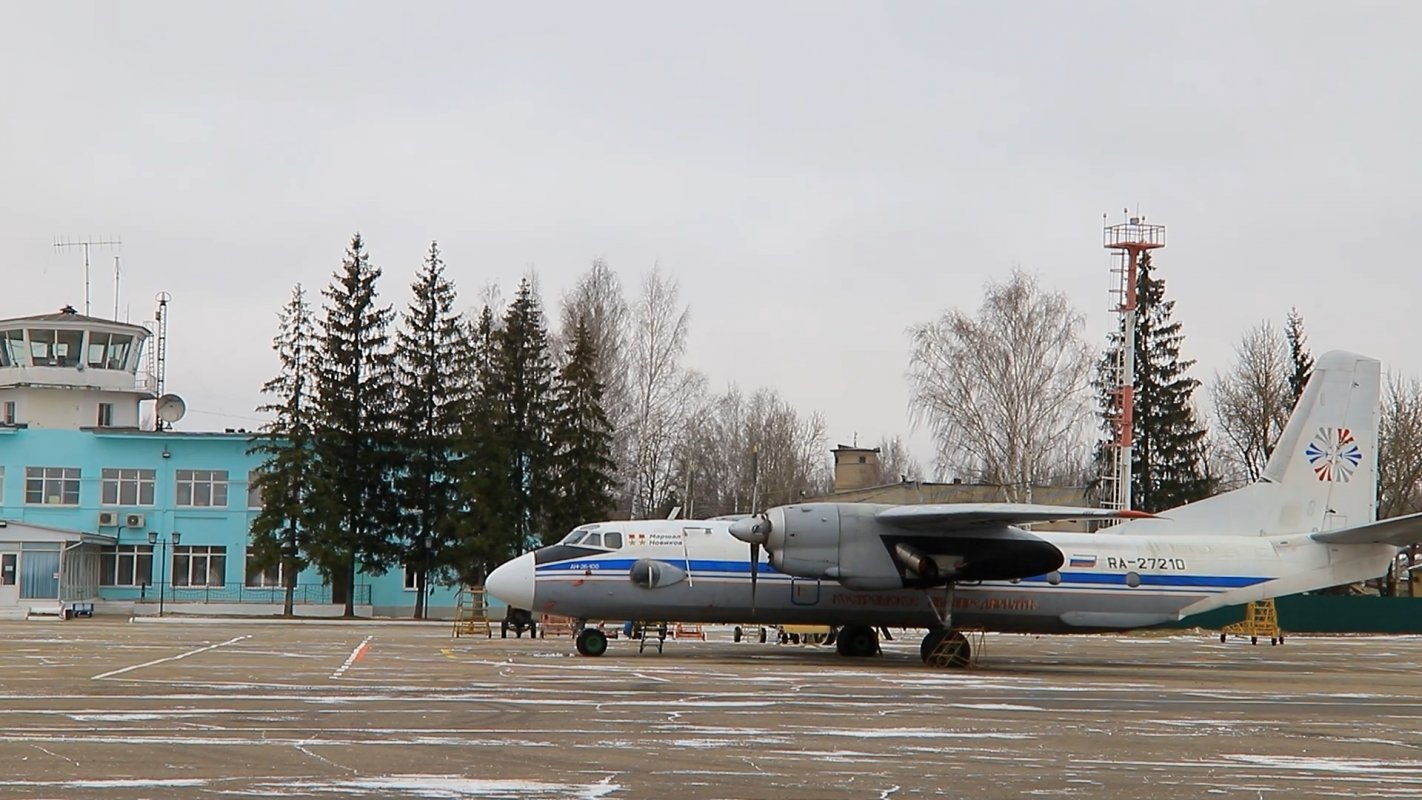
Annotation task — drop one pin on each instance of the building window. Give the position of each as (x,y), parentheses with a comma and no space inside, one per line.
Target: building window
(127,487)
(51,348)
(2,486)
(254,490)
(106,415)
(410,575)
(126,565)
(7,412)
(202,488)
(199,565)
(12,349)
(109,350)
(264,578)
(52,486)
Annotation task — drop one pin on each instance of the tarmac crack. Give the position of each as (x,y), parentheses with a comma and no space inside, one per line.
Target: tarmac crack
(54,754)
(301,746)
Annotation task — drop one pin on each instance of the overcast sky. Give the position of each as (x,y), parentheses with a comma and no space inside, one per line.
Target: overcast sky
(818,176)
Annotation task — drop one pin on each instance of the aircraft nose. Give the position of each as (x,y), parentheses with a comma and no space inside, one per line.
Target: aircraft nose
(512,582)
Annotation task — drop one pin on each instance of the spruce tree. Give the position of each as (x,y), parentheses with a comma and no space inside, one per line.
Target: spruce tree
(582,439)
(485,536)
(522,383)
(1168,466)
(352,498)
(279,531)
(431,396)
(1299,357)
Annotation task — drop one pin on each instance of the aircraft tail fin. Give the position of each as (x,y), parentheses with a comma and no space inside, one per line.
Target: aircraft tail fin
(1322,474)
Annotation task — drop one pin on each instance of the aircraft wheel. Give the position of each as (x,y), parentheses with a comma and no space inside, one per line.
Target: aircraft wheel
(762,635)
(944,648)
(1224,638)
(591,642)
(1254,640)
(857,641)
(736,634)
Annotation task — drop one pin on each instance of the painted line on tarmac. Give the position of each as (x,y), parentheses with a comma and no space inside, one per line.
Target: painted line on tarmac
(169,658)
(356,655)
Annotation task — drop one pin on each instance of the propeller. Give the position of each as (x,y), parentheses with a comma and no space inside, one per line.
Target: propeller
(754,531)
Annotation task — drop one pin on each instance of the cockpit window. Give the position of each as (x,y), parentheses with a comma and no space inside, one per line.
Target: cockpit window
(611,540)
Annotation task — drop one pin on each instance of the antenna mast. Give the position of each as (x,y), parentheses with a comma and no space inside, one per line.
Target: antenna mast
(116,287)
(160,351)
(86,243)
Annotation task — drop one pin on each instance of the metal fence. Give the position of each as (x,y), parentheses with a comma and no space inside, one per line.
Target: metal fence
(304,595)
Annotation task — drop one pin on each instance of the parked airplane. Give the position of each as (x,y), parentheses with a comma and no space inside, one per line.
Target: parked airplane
(1308,523)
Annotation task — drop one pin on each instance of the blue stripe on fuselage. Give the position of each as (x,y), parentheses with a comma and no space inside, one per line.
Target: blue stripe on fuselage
(742,568)
(1119,579)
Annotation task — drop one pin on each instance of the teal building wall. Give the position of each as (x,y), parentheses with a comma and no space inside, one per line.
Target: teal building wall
(91,450)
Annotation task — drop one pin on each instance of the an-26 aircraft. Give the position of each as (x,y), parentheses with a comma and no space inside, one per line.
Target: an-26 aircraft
(1307,523)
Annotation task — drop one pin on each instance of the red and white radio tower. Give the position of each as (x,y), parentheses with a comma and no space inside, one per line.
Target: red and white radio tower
(1127,241)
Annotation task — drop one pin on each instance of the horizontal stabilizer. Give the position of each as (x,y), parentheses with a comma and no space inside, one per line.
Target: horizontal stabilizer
(1398,531)
(962,515)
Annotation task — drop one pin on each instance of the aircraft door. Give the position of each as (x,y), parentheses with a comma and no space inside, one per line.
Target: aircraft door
(804,591)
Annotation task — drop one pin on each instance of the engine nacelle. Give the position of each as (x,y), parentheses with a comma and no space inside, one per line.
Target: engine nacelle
(845,542)
(832,541)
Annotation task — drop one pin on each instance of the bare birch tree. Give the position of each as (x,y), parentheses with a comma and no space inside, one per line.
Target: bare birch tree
(1252,403)
(1004,392)
(896,463)
(747,453)
(597,300)
(659,389)
(1400,448)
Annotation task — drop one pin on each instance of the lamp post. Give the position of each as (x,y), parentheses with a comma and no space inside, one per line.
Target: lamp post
(163,575)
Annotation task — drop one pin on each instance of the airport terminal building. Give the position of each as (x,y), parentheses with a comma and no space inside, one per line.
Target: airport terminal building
(103,506)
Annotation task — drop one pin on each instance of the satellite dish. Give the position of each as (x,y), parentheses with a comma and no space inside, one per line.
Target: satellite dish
(171,408)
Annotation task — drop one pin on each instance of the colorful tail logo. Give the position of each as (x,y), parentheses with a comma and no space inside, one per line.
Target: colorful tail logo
(1333,454)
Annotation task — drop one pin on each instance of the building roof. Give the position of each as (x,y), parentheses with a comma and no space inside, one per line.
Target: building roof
(72,317)
(16,531)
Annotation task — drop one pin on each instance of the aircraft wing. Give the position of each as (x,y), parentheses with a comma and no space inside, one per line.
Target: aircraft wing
(1398,531)
(956,517)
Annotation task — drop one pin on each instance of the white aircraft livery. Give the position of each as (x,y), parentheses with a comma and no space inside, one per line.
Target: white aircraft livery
(1307,523)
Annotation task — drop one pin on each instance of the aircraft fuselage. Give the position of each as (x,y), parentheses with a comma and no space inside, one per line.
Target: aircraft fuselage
(1107,582)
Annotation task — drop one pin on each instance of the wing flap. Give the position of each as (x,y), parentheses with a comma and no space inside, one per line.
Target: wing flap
(950,517)
(1398,531)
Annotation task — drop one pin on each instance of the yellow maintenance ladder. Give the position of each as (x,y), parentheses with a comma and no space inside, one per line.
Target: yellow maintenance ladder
(471,613)
(1260,619)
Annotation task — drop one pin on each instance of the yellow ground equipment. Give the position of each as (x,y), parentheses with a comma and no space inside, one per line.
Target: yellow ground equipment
(1260,619)
(471,613)
(805,634)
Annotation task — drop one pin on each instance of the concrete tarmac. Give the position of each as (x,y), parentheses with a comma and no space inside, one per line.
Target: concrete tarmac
(105,708)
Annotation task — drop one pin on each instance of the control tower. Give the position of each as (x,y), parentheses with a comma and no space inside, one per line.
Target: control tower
(71,371)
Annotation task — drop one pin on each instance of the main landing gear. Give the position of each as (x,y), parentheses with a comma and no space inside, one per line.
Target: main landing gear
(944,647)
(857,641)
